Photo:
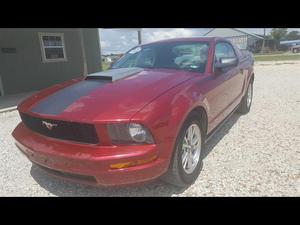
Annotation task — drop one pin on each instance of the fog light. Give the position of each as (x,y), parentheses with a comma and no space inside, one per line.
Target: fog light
(143,161)
(122,165)
(133,163)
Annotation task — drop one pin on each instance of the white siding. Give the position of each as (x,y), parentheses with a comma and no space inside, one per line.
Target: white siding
(224,32)
(240,41)
(238,38)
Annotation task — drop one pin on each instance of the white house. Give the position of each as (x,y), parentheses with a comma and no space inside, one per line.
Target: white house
(240,37)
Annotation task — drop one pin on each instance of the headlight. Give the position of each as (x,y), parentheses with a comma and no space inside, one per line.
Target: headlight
(129,133)
(138,133)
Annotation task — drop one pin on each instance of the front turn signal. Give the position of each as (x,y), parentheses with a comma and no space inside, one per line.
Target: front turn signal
(133,163)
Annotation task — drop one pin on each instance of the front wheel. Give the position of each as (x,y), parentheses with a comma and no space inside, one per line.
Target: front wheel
(247,100)
(187,161)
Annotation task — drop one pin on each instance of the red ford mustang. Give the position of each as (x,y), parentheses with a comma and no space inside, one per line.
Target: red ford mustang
(147,117)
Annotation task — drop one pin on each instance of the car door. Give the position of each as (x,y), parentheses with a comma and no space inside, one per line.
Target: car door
(229,84)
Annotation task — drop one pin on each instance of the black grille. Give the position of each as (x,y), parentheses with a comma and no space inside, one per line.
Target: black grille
(73,131)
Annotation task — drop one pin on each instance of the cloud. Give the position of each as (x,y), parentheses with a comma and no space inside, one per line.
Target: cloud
(105,44)
(121,40)
(151,35)
(117,40)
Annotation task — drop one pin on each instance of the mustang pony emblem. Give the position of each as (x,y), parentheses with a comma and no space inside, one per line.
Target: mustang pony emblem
(49,125)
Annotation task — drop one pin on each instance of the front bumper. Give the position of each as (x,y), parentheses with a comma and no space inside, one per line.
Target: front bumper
(87,163)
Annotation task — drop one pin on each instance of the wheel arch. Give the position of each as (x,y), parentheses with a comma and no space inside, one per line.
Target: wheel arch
(171,176)
(200,110)
(203,118)
(251,77)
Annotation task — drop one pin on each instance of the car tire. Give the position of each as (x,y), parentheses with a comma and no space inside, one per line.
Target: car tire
(178,175)
(246,102)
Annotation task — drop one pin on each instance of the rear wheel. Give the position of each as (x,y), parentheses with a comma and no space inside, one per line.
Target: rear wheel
(247,99)
(186,161)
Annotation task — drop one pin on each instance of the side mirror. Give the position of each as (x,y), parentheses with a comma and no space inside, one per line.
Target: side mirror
(226,62)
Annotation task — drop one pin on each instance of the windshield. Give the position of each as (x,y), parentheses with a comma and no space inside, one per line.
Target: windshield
(191,56)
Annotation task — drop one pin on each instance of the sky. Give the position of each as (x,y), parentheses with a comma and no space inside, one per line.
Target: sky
(121,40)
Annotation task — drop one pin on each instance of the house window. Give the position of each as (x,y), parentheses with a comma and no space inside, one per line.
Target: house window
(53,47)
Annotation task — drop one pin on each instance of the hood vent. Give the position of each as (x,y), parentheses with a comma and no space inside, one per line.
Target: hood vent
(114,74)
(103,78)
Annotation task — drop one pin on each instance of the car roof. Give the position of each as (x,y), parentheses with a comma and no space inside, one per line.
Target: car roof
(208,39)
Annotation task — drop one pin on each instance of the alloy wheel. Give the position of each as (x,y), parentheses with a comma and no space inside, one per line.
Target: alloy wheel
(191,148)
(249,95)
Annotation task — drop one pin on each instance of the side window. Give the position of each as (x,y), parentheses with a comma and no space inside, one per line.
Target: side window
(128,62)
(191,56)
(223,49)
(146,58)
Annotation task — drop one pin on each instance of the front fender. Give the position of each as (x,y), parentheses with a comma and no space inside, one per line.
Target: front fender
(166,115)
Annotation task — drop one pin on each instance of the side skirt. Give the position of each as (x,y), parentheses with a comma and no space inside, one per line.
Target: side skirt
(215,130)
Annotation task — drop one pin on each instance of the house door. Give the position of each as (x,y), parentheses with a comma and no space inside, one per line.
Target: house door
(8,70)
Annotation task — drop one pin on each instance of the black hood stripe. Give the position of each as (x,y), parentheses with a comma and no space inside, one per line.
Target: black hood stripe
(60,100)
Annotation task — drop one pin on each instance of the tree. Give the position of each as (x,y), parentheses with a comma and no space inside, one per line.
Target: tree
(278,34)
(293,35)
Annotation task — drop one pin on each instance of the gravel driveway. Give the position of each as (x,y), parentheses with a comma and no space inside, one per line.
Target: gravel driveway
(253,155)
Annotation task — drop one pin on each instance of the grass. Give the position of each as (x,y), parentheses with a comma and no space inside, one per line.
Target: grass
(273,53)
(279,57)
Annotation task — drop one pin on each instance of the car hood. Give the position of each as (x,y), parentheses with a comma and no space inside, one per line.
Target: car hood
(99,97)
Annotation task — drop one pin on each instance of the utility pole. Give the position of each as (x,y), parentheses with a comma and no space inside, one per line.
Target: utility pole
(139,33)
(263,44)
(139,36)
